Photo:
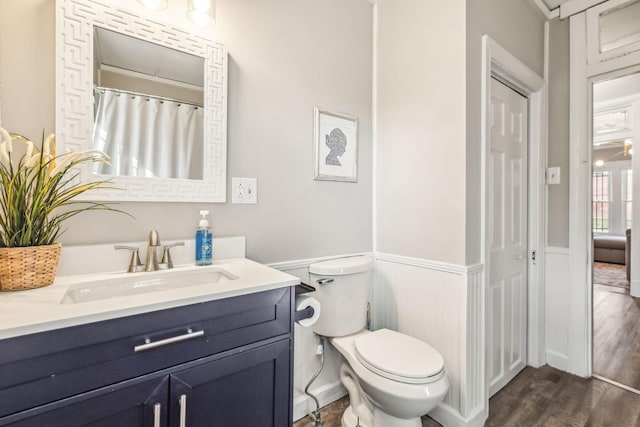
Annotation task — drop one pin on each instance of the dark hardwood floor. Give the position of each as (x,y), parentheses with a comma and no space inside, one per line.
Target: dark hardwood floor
(616,337)
(543,397)
(548,397)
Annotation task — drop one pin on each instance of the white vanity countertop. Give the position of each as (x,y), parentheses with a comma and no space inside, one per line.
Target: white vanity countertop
(38,310)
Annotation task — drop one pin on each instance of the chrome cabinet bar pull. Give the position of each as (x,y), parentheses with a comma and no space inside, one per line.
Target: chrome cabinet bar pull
(148,345)
(183,410)
(157,409)
(324,281)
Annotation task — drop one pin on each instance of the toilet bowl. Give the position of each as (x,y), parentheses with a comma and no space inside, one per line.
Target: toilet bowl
(402,378)
(392,379)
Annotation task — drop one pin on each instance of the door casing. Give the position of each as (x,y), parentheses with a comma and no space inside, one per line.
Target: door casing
(502,65)
(583,74)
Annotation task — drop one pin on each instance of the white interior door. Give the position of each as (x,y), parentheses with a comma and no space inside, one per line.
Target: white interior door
(507,210)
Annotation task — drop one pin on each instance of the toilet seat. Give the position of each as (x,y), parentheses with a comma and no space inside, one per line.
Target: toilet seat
(399,357)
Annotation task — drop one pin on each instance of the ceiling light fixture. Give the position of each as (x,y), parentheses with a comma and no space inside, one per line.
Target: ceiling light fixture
(599,163)
(154,4)
(202,12)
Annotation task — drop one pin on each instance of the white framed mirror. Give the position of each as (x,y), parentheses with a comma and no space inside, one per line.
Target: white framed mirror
(150,162)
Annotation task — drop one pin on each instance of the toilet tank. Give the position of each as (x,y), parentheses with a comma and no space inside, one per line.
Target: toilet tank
(342,288)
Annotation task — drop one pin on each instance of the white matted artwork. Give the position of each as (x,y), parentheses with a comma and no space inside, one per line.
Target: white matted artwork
(336,146)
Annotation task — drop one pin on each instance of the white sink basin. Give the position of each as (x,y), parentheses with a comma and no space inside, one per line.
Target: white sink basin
(142,283)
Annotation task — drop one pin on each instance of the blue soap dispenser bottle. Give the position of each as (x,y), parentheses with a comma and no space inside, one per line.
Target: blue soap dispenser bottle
(204,241)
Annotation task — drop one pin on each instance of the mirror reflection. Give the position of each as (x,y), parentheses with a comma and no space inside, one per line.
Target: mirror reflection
(148,108)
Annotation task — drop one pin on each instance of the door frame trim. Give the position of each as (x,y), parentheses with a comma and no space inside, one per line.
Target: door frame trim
(499,63)
(583,74)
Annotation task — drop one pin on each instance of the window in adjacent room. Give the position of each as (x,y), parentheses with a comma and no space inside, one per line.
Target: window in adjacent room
(601,201)
(627,190)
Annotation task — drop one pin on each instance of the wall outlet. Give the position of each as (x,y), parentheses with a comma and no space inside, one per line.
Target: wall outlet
(244,190)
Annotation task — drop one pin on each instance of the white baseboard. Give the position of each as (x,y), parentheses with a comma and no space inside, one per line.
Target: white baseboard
(635,288)
(557,360)
(447,416)
(326,394)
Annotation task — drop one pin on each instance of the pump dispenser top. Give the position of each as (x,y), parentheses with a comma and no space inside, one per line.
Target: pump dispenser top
(204,222)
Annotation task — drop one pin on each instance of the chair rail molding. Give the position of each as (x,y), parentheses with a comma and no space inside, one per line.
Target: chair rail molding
(428,264)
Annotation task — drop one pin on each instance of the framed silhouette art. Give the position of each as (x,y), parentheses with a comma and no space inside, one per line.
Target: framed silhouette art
(335,146)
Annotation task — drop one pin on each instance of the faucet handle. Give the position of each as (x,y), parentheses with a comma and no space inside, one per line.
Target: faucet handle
(166,255)
(134,265)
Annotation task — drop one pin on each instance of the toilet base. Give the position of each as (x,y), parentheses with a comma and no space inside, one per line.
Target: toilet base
(349,419)
(380,419)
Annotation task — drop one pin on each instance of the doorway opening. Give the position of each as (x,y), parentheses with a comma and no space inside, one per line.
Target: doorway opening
(616,313)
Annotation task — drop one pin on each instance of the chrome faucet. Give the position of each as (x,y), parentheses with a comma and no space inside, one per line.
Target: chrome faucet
(152,251)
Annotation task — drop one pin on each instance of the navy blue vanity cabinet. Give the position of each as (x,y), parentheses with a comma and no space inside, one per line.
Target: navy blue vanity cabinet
(216,363)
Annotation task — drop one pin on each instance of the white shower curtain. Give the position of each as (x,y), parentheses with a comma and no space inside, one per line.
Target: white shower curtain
(147,136)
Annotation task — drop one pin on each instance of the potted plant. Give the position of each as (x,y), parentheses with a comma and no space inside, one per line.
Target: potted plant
(38,193)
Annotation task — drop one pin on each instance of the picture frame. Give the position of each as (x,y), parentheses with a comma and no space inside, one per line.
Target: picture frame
(335,146)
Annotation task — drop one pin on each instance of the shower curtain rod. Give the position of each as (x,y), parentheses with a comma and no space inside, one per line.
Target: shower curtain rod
(145,95)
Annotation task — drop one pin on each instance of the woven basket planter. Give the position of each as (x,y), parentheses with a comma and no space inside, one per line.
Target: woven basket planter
(28,268)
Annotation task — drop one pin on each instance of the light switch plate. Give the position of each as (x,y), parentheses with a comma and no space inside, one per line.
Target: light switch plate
(553,175)
(244,190)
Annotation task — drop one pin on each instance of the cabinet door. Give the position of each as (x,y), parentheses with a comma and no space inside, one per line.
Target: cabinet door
(249,388)
(126,405)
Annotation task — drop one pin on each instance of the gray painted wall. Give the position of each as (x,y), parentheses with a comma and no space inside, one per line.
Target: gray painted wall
(519,28)
(558,149)
(285,57)
(429,164)
(421,112)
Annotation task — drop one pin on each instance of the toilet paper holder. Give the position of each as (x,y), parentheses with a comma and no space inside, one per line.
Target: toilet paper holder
(308,312)
(303,314)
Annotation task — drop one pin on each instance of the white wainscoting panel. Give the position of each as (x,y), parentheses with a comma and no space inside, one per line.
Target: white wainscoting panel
(442,305)
(557,307)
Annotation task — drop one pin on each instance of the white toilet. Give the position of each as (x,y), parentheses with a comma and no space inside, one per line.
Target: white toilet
(392,378)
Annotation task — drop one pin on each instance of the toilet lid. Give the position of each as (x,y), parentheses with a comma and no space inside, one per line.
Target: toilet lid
(399,357)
